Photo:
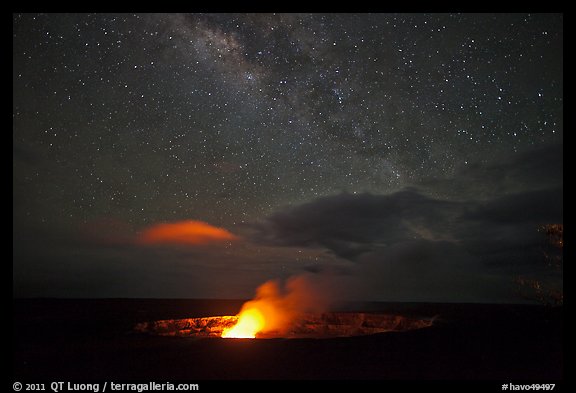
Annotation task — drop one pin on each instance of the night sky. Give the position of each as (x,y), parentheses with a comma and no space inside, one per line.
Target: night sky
(401,157)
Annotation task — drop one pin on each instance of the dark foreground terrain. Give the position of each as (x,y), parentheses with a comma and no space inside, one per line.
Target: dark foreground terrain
(94,340)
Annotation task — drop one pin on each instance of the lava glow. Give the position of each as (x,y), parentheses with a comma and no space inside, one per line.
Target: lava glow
(189,232)
(276,307)
(293,310)
(250,322)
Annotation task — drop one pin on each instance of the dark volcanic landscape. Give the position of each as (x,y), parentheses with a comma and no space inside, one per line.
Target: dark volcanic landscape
(95,339)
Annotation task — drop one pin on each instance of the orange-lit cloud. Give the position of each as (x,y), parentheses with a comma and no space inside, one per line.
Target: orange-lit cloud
(185,232)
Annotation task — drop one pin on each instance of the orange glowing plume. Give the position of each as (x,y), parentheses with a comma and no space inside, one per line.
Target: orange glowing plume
(185,232)
(276,307)
(249,323)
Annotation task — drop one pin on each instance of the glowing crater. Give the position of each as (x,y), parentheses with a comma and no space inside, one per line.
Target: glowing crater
(324,325)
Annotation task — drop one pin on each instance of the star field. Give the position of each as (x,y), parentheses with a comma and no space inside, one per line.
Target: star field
(230,118)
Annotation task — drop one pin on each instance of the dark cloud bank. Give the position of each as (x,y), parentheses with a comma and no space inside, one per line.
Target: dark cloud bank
(409,245)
